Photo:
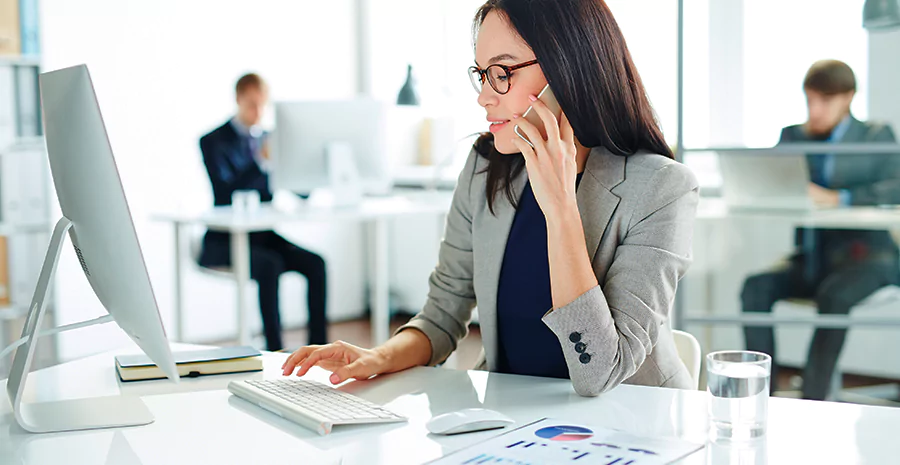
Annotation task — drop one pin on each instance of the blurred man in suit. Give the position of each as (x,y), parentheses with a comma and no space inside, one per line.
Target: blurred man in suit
(836,268)
(234,155)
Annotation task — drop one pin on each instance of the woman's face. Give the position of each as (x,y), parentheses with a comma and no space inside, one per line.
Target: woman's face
(499,43)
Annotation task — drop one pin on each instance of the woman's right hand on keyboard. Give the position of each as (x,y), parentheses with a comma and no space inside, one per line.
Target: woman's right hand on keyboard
(343,359)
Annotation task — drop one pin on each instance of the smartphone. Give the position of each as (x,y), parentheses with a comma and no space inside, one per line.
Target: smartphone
(532,116)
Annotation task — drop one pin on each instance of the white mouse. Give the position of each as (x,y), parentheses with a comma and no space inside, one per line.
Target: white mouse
(467,421)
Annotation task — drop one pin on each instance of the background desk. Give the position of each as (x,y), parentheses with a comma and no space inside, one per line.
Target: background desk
(197,421)
(376,212)
(712,209)
(729,246)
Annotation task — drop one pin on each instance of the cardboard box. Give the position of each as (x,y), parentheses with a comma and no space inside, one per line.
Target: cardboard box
(10,33)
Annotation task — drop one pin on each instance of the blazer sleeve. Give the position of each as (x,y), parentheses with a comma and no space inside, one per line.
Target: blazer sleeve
(619,320)
(222,174)
(886,186)
(451,296)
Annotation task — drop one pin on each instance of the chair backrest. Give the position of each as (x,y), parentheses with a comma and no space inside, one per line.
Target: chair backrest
(195,248)
(689,352)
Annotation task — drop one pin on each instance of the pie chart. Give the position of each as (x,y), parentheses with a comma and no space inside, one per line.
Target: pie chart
(564,433)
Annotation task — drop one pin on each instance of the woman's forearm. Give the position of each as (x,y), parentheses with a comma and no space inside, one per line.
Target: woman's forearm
(409,348)
(571,274)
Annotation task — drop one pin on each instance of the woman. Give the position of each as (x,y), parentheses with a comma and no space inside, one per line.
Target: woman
(529,250)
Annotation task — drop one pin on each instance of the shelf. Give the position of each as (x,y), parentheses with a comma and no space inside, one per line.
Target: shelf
(24,144)
(8,229)
(889,148)
(20,60)
(12,312)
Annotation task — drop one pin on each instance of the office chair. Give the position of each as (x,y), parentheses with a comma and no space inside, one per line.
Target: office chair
(690,354)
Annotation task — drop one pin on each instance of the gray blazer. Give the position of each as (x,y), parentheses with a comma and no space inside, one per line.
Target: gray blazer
(638,215)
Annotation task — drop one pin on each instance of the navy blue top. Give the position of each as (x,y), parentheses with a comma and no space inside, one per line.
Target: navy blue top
(526,345)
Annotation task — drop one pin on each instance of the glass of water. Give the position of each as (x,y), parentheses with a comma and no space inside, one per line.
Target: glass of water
(244,202)
(738,385)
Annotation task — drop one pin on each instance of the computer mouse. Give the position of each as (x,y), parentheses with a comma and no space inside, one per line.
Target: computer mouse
(467,421)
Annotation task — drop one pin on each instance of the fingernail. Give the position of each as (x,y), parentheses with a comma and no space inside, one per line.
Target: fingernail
(515,115)
(532,98)
(334,379)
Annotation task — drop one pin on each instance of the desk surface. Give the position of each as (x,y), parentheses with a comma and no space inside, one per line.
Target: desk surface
(267,217)
(198,421)
(839,218)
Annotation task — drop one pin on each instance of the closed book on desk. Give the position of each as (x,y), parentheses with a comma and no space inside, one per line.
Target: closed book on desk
(192,363)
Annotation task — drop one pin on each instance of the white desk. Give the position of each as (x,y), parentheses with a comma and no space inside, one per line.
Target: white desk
(198,421)
(375,211)
(715,209)
(877,218)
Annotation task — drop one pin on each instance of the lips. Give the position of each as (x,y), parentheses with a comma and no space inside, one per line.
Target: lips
(497,124)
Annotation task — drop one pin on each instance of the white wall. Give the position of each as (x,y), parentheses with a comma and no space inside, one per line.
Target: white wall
(884,77)
(435,38)
(651,41)
(164,73)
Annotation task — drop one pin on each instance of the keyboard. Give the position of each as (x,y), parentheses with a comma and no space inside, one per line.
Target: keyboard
(310,404)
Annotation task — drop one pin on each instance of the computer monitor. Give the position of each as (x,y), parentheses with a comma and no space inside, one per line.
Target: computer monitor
(305,130)
(98,222)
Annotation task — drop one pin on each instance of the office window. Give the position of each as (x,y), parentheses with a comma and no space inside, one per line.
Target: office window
(781,40)
(745,62)
(744,65)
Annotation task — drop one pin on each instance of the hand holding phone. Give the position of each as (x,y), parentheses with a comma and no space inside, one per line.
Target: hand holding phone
(532,116)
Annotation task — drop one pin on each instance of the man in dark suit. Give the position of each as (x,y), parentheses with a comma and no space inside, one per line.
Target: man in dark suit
(234,155)
(836,268)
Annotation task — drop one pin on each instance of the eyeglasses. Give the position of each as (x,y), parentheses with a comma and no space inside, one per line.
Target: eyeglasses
(497,75)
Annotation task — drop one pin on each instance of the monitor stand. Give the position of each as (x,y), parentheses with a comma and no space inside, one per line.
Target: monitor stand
(64,415)
(345,183)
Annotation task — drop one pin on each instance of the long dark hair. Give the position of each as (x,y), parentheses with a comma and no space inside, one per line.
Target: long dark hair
(586,62)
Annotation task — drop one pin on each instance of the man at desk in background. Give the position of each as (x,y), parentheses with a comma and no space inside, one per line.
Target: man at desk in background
(234,155)
(837,268)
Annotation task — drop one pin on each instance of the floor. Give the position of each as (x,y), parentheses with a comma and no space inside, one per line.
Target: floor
(357,332)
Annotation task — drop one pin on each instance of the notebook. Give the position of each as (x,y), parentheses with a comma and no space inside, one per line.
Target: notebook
(191,364)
